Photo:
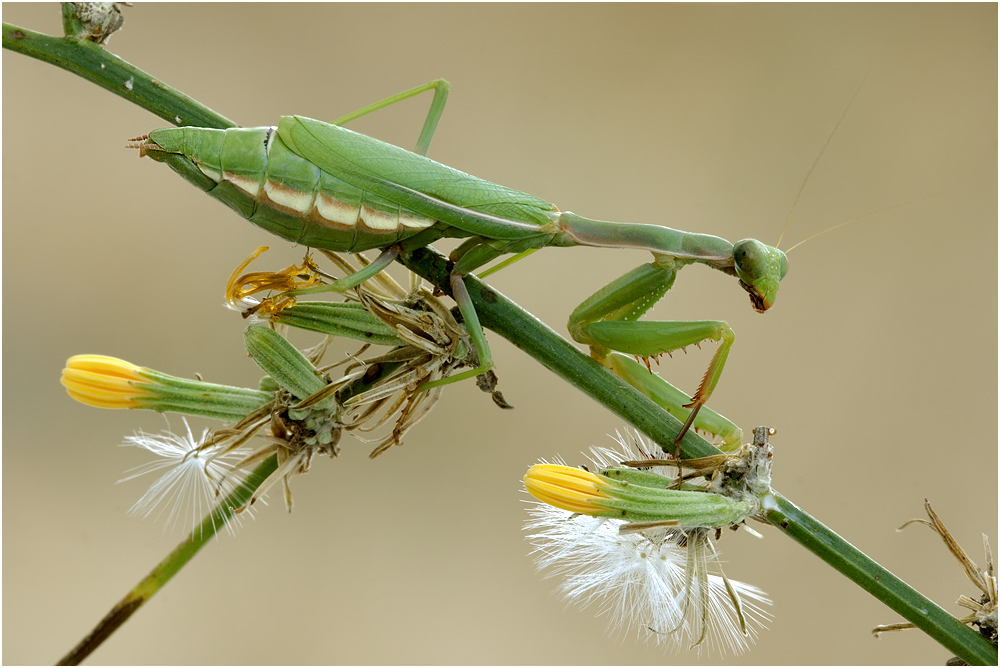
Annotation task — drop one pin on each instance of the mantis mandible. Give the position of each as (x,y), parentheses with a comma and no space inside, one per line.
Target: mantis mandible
(327,187)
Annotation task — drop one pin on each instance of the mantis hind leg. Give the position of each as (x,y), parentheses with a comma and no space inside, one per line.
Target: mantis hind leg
(482,250)
(440,88)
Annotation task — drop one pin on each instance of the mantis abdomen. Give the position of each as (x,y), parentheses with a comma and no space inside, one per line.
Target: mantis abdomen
(254,171)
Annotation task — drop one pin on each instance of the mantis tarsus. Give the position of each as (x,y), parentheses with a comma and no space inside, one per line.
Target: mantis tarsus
(324,186)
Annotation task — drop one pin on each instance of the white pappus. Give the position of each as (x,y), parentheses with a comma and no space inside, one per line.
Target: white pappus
(665,584)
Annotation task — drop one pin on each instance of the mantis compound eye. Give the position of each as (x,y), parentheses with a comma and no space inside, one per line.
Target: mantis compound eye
(782,265)
(750,257)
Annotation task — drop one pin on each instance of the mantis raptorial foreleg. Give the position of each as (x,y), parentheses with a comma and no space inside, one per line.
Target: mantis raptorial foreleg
(673,400)
(607,321)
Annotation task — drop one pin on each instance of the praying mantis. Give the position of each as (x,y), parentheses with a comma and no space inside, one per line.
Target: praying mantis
(324,186)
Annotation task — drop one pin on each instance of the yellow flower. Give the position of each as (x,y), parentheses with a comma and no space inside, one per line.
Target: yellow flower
(105,382)
(566,487)
(108,382)
(633,496)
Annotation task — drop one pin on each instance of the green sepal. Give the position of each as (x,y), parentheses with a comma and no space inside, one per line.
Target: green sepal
(268,384)
(639,503)
(350,320)
(631,476)
(711,511)
(196,408)
(195,397)
(280,360)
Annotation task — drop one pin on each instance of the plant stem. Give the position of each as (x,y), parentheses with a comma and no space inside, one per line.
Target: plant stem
(927,615)
(97,65)
(530,335)
(167,568)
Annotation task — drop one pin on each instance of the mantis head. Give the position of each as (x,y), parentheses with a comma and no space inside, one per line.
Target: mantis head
(760,269)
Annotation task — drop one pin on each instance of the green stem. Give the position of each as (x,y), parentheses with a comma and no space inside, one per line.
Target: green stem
(167,568)
(97,65)
(535,338)
(927,615)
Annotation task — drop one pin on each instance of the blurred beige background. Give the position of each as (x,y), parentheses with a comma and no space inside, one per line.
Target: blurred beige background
(877,365)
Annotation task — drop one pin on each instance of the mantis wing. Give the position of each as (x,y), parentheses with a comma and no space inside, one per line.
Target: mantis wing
(342,152)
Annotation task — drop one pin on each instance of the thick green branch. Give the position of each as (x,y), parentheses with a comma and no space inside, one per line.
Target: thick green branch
(928,616)
(97,65)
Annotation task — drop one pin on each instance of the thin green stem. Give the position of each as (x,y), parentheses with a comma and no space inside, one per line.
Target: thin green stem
(167,568)
(535,338)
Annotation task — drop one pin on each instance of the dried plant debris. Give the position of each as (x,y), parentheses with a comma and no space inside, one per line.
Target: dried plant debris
(95,21)
(983,615)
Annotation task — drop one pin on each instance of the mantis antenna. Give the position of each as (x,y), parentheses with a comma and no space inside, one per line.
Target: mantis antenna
(870,214)
(816,161)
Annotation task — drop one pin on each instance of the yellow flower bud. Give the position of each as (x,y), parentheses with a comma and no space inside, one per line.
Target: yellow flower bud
(105,382)
(566,487)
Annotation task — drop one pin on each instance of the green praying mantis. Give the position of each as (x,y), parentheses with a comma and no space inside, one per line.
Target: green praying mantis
(324,186)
